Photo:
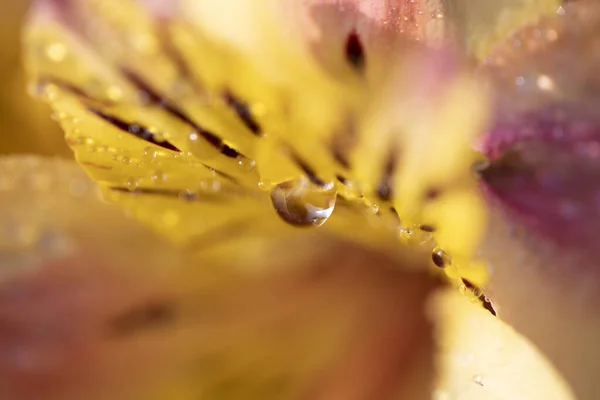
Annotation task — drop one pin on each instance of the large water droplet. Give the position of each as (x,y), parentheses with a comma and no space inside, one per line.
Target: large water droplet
(302,203)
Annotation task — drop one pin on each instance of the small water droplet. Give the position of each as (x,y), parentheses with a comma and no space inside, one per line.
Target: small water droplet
(126,160)
(201,148)
(59,116)
(301,203)
(246,164)
(56,52)
(437,14)
(188,195)
(132,184)
(265,185)
(478,379)
(158,176)
(150,152)
(440,258)
(519,81)
(114,93)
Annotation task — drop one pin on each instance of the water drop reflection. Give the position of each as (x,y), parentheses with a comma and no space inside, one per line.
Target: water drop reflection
(302,203)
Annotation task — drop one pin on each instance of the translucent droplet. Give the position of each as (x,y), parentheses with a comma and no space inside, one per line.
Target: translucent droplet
(415,236)
(59,116)
(114,93)
(126,160)
(149,152)
(56,52)
(302,203)
(211,185)
(246,164)
(478,379)
(158,176)
(201,148)
(132,184)
(437,14)
(188,195)
(440,258)
(265,185)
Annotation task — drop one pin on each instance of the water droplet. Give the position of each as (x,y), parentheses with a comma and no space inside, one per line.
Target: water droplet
(158,176)
(301,203)
(440,258)
(188,195)
(437,14)
(56,52)
(126,160)
(478,379)
(519,81)
(211,185)
(265,185)
(59,116)
(132,184)
(246,164)
(415,235)
(114,93)
(150,152)
(201,148)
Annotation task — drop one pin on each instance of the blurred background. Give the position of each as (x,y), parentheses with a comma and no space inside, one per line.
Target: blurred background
(25,123)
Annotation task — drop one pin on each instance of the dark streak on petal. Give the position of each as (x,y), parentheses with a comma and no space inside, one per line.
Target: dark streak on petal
(308,170)
(484,301)
(432,194)
(384,189)
(150,316)
(341,144)
(243,111)
(355,53)
(341,179)
(155,98)
(95,165)
(134,129)
(71,88)
(427,228)
(223,175)
(182,194)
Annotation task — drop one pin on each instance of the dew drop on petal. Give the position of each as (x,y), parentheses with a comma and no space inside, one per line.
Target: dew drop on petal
(149,152)
(246,164)
(56,52)
(440,258)
(158,176)
(302,203)
(201,148)
(132,184)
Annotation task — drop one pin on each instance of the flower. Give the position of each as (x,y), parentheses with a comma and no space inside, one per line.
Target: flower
(542,147)
(200,123)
